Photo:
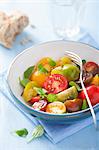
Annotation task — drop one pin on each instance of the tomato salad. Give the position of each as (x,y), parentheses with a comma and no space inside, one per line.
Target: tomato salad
(53,86)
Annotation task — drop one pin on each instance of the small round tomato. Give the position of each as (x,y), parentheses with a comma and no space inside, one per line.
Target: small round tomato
(93,93)
(29,91)
(71,72)
(73,105)
(39,77)
(34,99)
(56,108)
(40,105)
(55,83)
(64,60)
(91,67)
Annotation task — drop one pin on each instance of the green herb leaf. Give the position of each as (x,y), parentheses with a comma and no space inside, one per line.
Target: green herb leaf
(84,105)
(22,132)
(72,83)
(37,132)
(28,72)
(52,97)
(41,92)
(42,69)
(52,62)
(83,61)
(24,81)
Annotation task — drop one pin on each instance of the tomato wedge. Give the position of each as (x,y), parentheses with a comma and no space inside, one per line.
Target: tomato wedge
(34,99)
(91,67)
(56,83)
(40,105)
(93,93)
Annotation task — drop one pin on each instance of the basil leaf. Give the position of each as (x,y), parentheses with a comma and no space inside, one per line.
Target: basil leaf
(42,69)
(84,105)
(52,62)
(24,81)
(37,132)
(41,92)
(28,72)
(22,132)
(72,83)
(52,97)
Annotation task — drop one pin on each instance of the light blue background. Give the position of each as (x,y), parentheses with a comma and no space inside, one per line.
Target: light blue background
(10,118)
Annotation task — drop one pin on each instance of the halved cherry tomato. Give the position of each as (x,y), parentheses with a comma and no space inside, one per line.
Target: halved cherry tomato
(93,93)
(91,67)
(40,105)
(56,108)
(29,91)
(73,105)
(55,83)
(34,99)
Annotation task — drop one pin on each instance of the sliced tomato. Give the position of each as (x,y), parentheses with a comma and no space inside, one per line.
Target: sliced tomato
(34,99)
(93,93)
(56,108)
(91,67)
(40,105)
(56,83)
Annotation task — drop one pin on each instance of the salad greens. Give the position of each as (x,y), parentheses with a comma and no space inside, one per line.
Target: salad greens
(52,97)
(22,132)
(52,62)
(72,83)
(42,69)
(26,76)
(84,105)
(28,72)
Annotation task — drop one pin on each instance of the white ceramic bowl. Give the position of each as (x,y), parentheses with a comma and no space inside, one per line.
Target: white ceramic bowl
(31,55)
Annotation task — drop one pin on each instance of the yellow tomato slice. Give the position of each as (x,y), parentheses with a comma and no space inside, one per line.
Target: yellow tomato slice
(95,80)
(39,77)
(29,91)
(64,60)
(56,108)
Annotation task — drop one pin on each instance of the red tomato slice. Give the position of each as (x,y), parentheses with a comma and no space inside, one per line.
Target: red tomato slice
(91,67)
(93,93)
(56,83)
(34,99)
(40,105)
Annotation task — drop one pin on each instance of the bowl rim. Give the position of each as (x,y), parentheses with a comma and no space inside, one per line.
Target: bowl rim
(24,103)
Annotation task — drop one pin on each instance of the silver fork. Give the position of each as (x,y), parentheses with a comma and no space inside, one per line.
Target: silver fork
(76,59)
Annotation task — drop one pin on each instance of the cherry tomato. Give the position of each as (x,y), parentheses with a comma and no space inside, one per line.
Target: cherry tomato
(56,108)
(91,67)
(39,77)
(93,93)
(55,83)
(34,99)
(40,105)
(64,60)
(73,105)
(29,91)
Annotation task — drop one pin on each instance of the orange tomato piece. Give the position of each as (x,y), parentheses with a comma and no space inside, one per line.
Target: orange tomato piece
(39,77)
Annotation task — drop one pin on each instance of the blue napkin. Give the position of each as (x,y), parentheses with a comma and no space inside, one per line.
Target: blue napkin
(57,132)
